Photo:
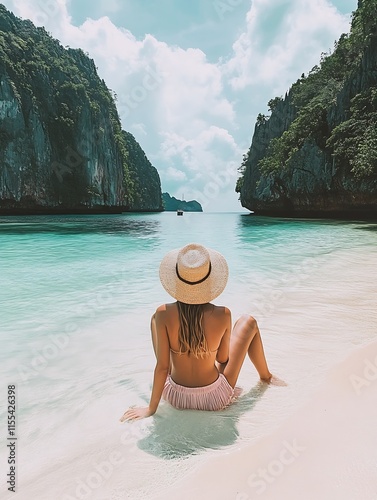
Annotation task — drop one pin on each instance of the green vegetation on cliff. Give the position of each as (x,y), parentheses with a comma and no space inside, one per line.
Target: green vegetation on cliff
(59,122)
(354,141)
(314,94)
(145,180)
(330,114)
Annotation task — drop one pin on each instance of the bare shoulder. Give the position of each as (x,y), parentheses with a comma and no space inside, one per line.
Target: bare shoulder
(161,309)
(222,311)
(165,309)
(161,313)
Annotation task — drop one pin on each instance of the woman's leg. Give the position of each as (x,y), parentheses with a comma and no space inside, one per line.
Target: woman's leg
(246,338)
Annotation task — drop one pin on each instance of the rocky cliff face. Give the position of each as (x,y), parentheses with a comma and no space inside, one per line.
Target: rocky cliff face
(61,145)
(145,178)
(313,180)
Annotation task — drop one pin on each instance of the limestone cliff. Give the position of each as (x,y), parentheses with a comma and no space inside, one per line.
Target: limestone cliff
(145,178)
(62,149)
(316,154)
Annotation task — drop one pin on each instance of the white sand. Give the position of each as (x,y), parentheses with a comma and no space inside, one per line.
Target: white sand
(326,451)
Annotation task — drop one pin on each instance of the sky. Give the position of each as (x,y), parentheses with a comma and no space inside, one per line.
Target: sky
(191,77)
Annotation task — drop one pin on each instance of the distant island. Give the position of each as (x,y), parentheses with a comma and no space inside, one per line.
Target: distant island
(171,204)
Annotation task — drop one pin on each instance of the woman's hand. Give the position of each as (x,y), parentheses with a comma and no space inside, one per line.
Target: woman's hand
(136,413)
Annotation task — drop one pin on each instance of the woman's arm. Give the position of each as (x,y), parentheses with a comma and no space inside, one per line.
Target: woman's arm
(222,356)
(163,359)
(160,372)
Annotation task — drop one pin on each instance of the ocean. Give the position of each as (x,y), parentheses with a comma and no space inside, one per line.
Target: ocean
(76,297)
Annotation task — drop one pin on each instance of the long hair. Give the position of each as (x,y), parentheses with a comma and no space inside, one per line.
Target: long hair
(191,336)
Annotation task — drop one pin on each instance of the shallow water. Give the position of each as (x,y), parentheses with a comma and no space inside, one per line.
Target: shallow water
(76,299)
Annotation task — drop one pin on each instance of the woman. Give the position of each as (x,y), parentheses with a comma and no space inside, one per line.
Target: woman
(199,357)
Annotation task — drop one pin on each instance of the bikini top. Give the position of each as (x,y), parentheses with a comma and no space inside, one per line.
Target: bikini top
(177,352)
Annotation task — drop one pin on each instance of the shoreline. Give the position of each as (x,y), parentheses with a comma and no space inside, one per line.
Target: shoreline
(324,450)
(331,215)
(100,210)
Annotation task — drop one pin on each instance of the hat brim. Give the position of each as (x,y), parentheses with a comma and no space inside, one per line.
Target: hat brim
(201,293)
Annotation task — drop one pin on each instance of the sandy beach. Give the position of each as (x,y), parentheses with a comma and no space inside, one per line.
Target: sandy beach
(324,451)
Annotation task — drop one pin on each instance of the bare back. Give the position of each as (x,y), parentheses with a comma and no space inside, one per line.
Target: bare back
(188,370)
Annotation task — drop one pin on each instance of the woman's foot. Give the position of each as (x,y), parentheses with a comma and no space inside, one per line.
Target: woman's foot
(273,380)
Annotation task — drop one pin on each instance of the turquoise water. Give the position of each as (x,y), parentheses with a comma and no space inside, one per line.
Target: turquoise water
(76,296)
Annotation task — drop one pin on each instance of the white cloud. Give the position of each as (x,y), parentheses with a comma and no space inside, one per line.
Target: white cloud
(193,90)
(203,153)
(49,13)
(173,145)
(174,174)
(210,159)
(138,128)
(295,46)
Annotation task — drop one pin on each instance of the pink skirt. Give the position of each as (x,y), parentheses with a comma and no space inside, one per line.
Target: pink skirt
(212,397)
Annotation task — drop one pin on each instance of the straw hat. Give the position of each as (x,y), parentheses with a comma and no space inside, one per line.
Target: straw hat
(194,274)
